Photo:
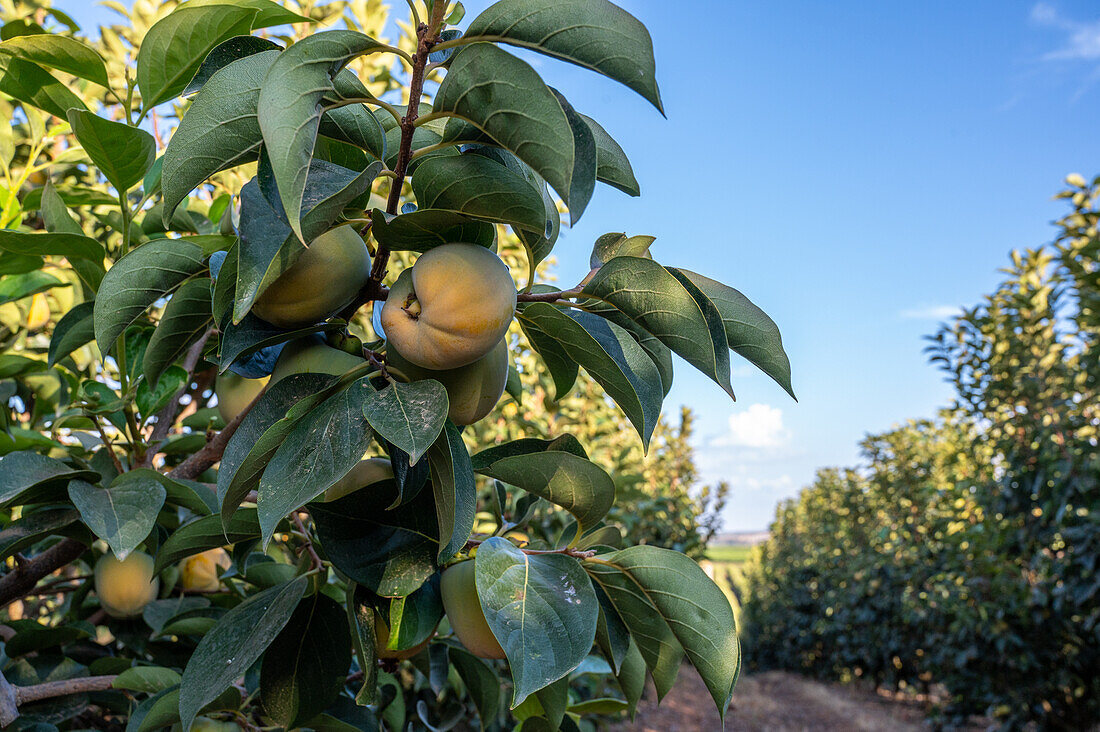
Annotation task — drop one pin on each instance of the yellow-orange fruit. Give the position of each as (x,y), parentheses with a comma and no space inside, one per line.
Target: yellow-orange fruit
(382,639)
(472,390)
(463,609)
(235,393)
(451,307)
(324,279)
(199,573)
(125,587)
(39,314)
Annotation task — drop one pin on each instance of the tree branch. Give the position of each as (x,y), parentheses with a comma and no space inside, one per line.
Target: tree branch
(21,580)
(12,697)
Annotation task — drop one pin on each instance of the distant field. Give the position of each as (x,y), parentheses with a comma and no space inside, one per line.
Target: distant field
(728,553)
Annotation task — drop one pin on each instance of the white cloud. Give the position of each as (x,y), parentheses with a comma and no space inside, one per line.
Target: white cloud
(930,312)
(761,425)
(1082,39)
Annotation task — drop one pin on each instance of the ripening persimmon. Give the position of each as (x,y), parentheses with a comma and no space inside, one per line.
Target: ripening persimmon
(366,472)
(463,608)
(235,393)
(472,390)
(125,587)
(324,279)
(452,307)
(382,639)
(311,355)
(199,573)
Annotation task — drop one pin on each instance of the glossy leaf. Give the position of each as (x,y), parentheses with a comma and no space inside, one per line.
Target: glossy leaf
(410,416)
(426,228)
(224,54)
(186,317)
(75,329)
(24,472)
(611,357)
(542,609)
(122,153)
(33,527)
(235,643)
(595,34)
(612,165)
(122,514)
(305,667)
(147,679)
(454,490)
(481,682)
(205,533)
(175,46)
(17,286)
(31,84)
(503,96)
(61,53)
(578,485)
(322,447)
(750,333)
(219,130)
(676,312)
(289,107)
(609,246)
(72,246)
(583,181)
(360,618)
(480,188)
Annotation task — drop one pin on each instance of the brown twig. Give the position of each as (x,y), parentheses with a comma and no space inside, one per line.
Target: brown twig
(12,697)
(21,580)
(568,551)
(108,445)
(313,555)
(212,451)
(546,296)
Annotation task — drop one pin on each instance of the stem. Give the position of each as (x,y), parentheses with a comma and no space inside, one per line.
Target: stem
(314,557)
(24,577)
(427,36)
(550,297)
(110,447)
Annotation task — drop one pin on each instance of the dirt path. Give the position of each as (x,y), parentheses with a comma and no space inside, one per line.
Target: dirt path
(773,702)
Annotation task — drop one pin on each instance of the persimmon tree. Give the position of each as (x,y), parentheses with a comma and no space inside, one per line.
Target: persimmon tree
(238,485)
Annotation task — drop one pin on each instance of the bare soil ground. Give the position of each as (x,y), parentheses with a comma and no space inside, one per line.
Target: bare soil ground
(774,702)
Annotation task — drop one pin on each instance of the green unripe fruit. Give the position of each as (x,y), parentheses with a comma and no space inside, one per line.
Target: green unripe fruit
(235,393)
(324,279)
(125,587)
(312,356)
(366,472)
(472,390)
(451,307)
(463,609)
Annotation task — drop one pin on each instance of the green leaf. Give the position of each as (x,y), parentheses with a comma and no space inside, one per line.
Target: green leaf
(17,286)
(205,533)
(146,679)
(612,165)
(261,433)
(750,333)
(583,181)
(695,609)
(238,342)
(235,643)
(410,416)
(61,53)
(426,228)
(195,497)
(186,317)
(75,329)
(553,699)
(151,399)
(454,490)
(481,682)
(139,279)
(391,552)
(360,618)
(289,107)
(595,34)
(563,369)
(219,130)
(72,246)
(481,188)
(614,245)
(19,264)
(31,84)
(305,667)
(122,514)
(23,473)
(175,46)
(122,153)
(223,55)
(663,303)
(504,97)
(485,459)
(268,13)
(578,485)
(413,619)
(631,676)
(33,527)
(542,609)
(322,447)
(655,640)
(609,354)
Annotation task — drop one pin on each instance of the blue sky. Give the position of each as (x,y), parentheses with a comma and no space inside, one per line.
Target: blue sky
(858,169)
